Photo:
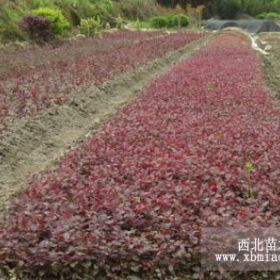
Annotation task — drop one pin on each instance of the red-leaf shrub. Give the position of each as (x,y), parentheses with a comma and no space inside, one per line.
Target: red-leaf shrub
(38,28)
(26,90)
(133,198)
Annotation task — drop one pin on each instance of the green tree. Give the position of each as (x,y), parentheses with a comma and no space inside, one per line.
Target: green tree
(226,9)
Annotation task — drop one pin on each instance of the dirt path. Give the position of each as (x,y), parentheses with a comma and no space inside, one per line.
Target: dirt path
(272,60)
(30,146)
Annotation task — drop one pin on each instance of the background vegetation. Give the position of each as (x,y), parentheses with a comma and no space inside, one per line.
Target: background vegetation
(228,8)
(62,14)
(22,19)
(170,21)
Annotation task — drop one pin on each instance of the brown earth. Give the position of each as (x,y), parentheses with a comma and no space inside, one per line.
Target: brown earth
(272,60)
(29,146)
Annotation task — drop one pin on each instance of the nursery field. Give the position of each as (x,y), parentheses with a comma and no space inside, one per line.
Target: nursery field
(197,146)
(47,128)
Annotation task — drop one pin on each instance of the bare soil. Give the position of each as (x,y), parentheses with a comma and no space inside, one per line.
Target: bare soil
(29,146)
(272,60)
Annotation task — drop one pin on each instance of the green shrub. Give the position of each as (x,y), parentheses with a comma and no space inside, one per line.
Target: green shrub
(138,25)
(107,7)
(33,4)
(75,10)
(120,22)
(59,23)
(133,9)
(107,26)
(170,21)
(159,22)
(183,20)
(271,15)
(256,8)
(104,9)
(227,9)
(90,26)
(70,10)
(10,17)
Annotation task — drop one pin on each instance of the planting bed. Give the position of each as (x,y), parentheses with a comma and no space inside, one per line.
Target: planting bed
(29,145)
(29,57)
(133,197)
(28,88)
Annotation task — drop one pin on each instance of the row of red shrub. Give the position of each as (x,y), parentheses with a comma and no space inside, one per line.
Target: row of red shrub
(18,61)
(133,198)
(26,92)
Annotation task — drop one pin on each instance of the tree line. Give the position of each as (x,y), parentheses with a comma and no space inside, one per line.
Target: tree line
(227,9)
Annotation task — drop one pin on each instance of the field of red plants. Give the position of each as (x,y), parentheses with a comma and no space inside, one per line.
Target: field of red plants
(32,81)
(199,147)
(28,58)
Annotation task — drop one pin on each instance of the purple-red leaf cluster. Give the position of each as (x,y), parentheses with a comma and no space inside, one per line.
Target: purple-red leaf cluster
(39,79)
(134,197)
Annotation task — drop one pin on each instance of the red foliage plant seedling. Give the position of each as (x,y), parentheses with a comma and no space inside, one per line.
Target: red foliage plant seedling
(133,198)
(38,79)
